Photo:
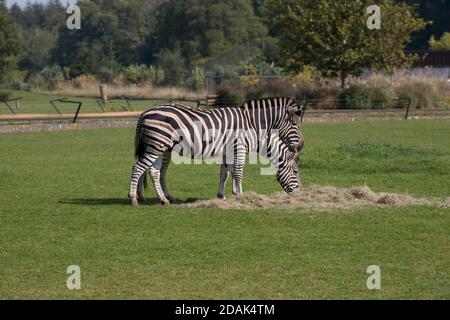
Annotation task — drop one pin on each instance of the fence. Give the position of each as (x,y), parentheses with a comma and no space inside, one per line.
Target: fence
(127,104)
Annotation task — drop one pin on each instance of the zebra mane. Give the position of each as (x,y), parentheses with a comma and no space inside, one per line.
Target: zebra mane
(289,101)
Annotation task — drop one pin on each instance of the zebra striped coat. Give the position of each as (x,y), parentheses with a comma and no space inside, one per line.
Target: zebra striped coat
(210,133)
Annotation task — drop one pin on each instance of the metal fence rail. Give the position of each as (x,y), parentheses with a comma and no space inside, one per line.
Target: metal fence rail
(16,100)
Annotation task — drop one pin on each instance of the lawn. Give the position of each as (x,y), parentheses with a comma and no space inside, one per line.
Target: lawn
(33,102)
(64,202)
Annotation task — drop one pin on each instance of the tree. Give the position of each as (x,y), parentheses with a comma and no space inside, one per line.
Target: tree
(441,44)
(173,65)
(111,36)
(334,38)
(10,43)
(204,29)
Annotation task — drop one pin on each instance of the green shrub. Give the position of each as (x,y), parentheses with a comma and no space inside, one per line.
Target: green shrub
(172,62)
(137,74)
(253,94)
(404,99)
(157,75)
(197,80)
(4,96)
(228,95)
(366,97)
(422,94)
(381,98)
(49,78)
(354,97)
(278,88)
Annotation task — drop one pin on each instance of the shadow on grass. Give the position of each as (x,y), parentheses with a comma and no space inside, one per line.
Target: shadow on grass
(118,201)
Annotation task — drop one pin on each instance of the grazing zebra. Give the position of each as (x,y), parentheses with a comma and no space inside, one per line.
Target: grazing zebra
(207,134)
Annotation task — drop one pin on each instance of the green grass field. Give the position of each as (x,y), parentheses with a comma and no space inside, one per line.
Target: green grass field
(35,103)
(64,202)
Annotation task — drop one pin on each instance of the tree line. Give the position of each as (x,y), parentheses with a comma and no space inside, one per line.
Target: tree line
(185,40)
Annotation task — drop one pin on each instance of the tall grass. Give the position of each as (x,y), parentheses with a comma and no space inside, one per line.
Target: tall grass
(117,91)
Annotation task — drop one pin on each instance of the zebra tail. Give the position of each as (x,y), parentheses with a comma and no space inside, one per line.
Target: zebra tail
(140,146)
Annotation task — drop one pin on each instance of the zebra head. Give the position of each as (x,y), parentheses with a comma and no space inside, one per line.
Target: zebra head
(289,130)
(287,173)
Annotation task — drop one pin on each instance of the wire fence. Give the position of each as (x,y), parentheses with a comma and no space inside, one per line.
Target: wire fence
(74,106)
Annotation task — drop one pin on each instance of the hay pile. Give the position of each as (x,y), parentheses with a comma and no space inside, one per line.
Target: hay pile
(315,197)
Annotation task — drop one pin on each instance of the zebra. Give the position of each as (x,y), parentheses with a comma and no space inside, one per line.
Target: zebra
(289,133)
(157,135)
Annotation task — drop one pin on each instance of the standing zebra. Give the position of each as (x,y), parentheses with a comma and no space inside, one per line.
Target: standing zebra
(207,134)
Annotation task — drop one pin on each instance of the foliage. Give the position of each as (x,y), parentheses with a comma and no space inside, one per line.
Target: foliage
(421,93)
(173,65)
(228,95)
(85,81)
(4,96)
(366,97)
(203,29)
(197,79)
(333,37)
(49,78)
(157,75)
(442,44)
(10,41)
(111,36)
(136,74)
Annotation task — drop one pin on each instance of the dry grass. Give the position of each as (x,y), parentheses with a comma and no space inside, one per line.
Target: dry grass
(317,198)
(91,89)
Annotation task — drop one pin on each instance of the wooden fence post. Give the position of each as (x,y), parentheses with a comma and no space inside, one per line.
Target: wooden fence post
(104,93)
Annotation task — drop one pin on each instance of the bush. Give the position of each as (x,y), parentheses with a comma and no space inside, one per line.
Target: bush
(140,74)
(85,81)
(172,63)
(365,97)
(157,75)
(422,94)
(253,94)
(105,75)
(49,78)
(4,96)
(278,88)
(319,97)
(197,80)
(228,95)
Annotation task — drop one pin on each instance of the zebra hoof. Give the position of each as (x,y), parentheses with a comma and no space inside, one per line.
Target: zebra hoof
(165,202)
(134,203)
(221,196)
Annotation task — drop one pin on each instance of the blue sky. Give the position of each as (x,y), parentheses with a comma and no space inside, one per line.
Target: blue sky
(23,2)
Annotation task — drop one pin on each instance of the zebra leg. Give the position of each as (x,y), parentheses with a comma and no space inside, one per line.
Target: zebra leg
(165,165)
(238,169)
(140,189)
(224,174)
(138,170)
(155,173)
